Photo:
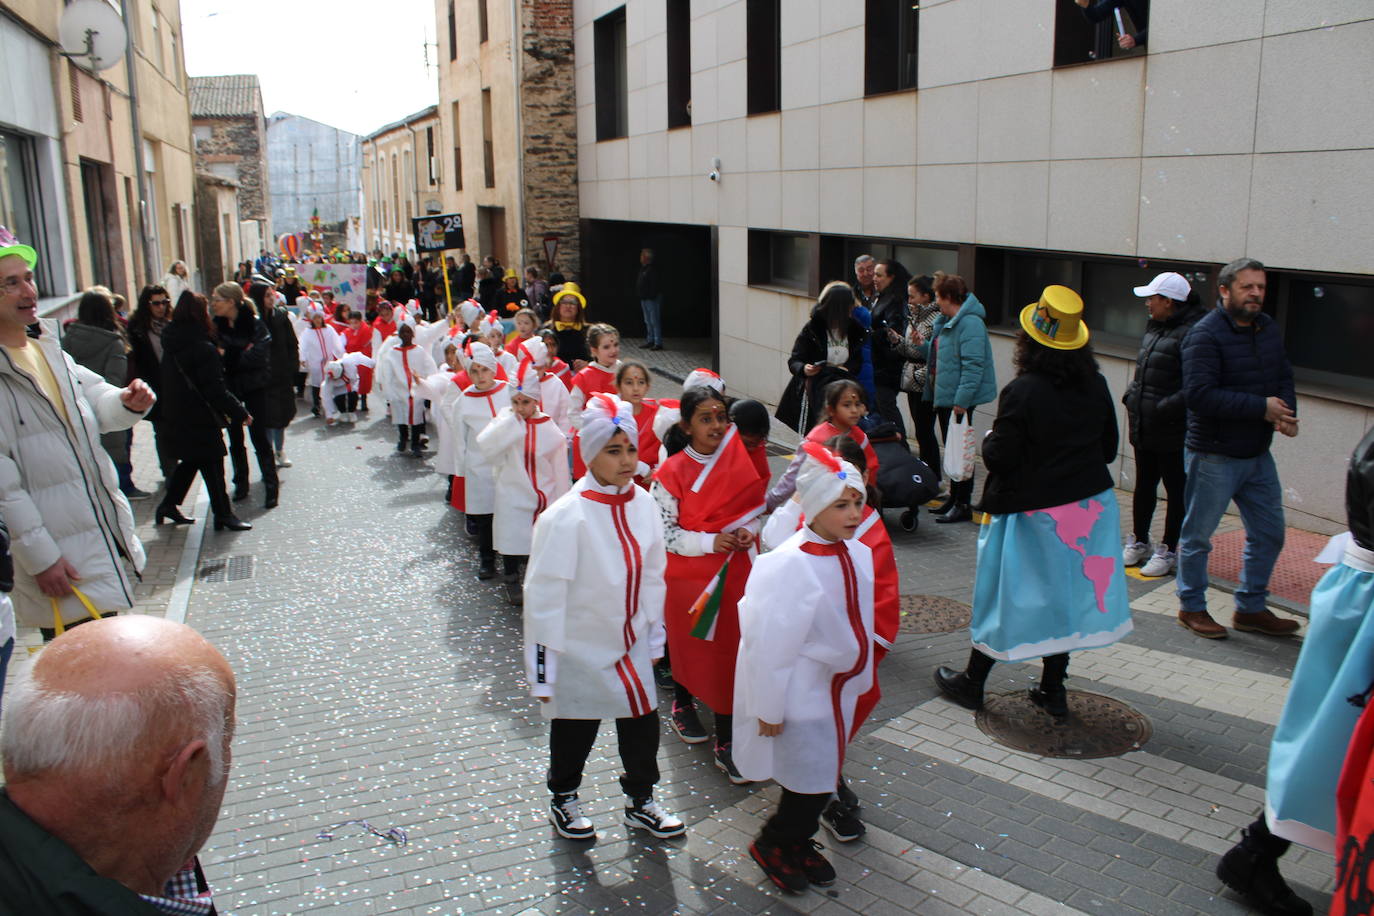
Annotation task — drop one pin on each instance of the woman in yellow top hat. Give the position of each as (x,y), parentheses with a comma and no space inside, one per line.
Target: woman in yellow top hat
(1050,577)
(569,325)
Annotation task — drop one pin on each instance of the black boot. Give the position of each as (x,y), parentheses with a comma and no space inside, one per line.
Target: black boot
(219,504)
(165,512)
(271,487)
(1251,869)
(486,568)
(959,512)
(1051,695)
(403,442)
(944,506)
(965,687)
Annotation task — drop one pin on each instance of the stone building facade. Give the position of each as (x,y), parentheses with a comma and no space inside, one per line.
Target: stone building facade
(230,135)
(401,180)
(509,124)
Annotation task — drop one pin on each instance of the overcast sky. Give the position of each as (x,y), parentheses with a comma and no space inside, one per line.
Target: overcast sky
(352,64)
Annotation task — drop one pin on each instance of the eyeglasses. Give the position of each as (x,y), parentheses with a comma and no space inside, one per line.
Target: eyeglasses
(159,301)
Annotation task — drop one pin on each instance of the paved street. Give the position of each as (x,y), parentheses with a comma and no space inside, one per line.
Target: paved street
(379,681)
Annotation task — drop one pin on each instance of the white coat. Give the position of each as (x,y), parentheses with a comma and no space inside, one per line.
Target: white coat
(442,391)
(405,398)
(594,603)
(341,377)
(468,416)
(318,348)
(531,462)
(803,661)
(59,493)
(554,401)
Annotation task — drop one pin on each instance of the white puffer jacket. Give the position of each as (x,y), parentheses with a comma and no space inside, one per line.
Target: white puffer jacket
(59,493)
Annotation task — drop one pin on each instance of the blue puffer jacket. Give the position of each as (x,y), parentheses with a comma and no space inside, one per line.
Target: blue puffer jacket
(1229,370)
(964,375)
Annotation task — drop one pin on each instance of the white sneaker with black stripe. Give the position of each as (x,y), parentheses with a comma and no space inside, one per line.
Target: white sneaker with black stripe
(647,814)
(565,813)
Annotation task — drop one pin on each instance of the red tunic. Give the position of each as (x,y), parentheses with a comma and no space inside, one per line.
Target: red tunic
(594,379)
(826,430)
(731,489)
(359,340)
(384,328)
(560,370)
(887,609)
(648,440)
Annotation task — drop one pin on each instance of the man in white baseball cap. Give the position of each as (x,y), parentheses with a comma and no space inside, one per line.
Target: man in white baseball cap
(1169,284)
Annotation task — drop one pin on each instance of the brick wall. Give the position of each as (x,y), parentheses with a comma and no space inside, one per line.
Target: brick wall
(244,142)
(549,119)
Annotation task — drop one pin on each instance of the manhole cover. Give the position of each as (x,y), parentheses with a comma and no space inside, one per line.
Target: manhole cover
(229,569)
(1097,726)
(933,614)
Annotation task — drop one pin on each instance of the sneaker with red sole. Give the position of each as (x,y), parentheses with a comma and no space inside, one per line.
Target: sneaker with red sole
(815,866)
(781,865)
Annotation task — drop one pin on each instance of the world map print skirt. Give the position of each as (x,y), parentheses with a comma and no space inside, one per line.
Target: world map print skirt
(1051,581)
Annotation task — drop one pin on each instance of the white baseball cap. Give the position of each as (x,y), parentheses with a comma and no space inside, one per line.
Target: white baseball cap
(1166,284)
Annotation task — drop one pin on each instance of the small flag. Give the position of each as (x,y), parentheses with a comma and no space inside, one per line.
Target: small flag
(707,606)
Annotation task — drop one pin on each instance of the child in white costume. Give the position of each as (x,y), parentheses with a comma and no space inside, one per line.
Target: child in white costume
(475,497)
(805,657)
(319,346)
(401,371)
(594,622)
(530,455)
(553,393)
(339,392)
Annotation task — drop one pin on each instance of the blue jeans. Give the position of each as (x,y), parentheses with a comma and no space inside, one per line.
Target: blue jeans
(1213,481)
(653,324)
(5,652)
(277,438)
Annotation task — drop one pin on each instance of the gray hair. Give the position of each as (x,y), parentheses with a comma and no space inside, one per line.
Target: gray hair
(1228,273)
(862,259)
(49,730)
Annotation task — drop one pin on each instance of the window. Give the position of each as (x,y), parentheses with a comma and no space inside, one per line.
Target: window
(176,61)
(488,151)
(157,40)
(763,39)
(612,86)
(1096,32)
(1328,325)
(153,234)
(679,63)
(780,259)
(101,229)
(891,37)
(452,32)
(180,226)
(429,157)
(482,20)
(457,149)
(202,133)
(395,193)
(20,204)
(917,259)
(74,77)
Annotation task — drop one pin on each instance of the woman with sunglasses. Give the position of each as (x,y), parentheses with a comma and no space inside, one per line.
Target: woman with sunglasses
(151,315)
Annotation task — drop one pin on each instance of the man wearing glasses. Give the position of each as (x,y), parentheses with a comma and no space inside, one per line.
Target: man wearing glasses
(70,527)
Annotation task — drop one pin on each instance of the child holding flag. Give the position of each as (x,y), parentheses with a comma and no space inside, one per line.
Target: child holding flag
(710,494)
(594,623)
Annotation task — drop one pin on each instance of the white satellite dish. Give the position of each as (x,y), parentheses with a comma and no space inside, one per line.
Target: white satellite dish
(93,30)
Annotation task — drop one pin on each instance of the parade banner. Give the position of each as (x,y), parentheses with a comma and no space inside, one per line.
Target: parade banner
(348,281)
(440,232)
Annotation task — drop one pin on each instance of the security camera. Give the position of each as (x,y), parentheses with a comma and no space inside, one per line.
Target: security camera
(714,175)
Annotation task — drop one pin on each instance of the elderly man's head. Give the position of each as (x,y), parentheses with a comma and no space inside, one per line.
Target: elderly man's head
(117,742)
(18,294)
(864,266)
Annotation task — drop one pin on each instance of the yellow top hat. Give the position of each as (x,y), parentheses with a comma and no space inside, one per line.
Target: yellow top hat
(510,274)
(571,289)
(1057,319)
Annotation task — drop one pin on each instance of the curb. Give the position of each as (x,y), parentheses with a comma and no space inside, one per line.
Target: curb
(190,557)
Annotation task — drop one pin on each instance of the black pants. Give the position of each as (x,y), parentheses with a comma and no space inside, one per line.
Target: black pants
(961,491)
(923,418)
(887,407)
(346,402)
(1150,468)
(409,434)
(262,447)
(166,461)
(211,470)
(797,819)
(483,526)
(300,384)
(511,565)
(315,400)
(571,740)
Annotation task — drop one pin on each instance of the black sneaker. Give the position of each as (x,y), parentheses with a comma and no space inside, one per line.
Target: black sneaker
(647,814)
(663,674)
(566,816)
(842,823)
(780,865)
(486,568)
(815,866)
(726,764)
(687,723)
(135,493)
(1255,876)
(470,526)
(846,797)
(514,593)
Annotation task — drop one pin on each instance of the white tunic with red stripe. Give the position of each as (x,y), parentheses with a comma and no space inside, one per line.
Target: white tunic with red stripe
(594,603)
(805,658)
(396,371)
(467,417)
(531,461)
(318,348)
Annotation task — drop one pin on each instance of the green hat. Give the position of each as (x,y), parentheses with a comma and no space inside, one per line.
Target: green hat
(10,245)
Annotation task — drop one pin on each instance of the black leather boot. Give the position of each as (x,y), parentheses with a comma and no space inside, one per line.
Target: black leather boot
(965,687)
(1251,869)
(1051,695)
(272,488)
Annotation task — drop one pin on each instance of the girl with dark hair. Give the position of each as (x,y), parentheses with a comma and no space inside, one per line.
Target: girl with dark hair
(96,340)
(922,312)
(829,347)
(1049,578)
(197,407)
(247,347)
(146,324)
(710,495)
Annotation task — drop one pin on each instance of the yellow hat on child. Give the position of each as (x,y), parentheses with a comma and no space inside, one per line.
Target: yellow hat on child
(1056,321)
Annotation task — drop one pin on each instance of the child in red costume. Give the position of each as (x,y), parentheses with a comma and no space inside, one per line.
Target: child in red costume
(632,384)
(358,339)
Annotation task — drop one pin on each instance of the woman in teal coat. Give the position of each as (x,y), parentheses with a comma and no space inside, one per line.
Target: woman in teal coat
(961,374)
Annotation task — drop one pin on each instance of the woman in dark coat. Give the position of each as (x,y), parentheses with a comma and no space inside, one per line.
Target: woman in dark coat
(829,347)
(196,407)
(96,340)
(399,290)
(279,408)
(145,361)
(247,347)
(1159,419)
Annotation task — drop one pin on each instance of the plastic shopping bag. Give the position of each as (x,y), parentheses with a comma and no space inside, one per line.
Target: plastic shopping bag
(959,448)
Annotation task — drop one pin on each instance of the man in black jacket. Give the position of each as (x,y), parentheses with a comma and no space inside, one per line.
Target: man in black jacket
(1238,385)
(649,289)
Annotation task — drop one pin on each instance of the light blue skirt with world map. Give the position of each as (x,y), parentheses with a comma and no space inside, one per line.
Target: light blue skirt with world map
(1051,581)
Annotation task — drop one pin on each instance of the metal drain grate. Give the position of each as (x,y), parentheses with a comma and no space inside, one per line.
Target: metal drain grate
(229,569)
(1097,726)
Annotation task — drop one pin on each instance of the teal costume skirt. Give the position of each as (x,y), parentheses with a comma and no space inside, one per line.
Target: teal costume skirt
(1051,581)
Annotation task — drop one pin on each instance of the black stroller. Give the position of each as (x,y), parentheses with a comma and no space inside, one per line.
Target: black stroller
(904,481)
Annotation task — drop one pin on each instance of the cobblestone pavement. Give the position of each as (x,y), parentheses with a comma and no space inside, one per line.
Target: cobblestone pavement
(379,681)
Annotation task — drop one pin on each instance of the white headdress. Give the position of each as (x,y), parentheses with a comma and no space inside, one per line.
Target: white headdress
(605,416)
(482,355)
(823,478)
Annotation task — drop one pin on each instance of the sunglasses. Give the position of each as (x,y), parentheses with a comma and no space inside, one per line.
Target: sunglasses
(159,301)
